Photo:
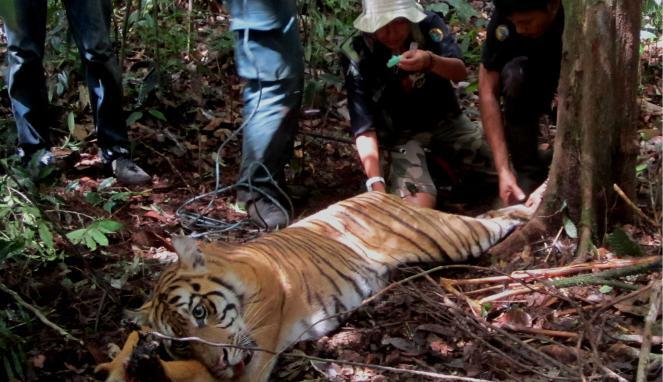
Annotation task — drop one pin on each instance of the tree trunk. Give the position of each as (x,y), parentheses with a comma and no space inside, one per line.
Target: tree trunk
(596,143)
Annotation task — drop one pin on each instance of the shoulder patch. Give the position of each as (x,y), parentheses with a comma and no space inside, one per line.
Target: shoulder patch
(502,32)
(436,34)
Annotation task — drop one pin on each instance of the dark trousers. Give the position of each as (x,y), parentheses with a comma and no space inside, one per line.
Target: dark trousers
(89,21)
(527,95)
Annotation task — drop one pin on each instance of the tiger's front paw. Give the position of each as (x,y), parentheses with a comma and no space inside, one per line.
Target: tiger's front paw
(116,369)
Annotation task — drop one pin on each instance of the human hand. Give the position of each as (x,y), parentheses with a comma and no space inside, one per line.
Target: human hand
(536,197)
(416,60)
(510,192)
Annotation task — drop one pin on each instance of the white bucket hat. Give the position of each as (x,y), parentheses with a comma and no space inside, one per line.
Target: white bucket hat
(378,13)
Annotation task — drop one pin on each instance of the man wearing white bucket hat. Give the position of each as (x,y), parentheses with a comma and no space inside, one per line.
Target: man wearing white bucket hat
(398,76)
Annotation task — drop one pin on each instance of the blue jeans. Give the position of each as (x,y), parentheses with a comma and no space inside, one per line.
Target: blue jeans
(89,21)
(270,59)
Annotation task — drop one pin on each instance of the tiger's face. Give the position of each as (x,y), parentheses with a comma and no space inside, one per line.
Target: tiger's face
(191,301)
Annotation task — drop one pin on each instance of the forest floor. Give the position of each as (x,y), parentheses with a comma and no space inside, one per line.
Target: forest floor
(522,327)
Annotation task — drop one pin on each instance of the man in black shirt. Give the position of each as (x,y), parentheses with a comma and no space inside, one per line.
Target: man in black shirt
(520,64)
(398,76)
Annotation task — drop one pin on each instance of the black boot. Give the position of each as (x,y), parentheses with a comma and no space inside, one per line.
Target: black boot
(124,169)
(268,215)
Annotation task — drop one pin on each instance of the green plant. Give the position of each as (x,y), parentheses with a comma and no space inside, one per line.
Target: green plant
(104,196)
(23,230)
(652,19)
(94,235)
(12,356)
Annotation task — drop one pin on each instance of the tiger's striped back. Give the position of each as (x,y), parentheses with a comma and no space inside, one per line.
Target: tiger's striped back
(384,229)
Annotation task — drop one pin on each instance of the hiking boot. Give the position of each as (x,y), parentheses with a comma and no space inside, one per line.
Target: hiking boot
(268,215)
(129,173)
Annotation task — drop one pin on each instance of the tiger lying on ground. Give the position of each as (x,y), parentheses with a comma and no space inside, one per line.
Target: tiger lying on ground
(277,289)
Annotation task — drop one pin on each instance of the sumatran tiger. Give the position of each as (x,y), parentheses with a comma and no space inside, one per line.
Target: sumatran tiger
(278,289)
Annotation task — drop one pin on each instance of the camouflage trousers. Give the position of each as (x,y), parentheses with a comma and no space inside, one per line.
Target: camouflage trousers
(458,140)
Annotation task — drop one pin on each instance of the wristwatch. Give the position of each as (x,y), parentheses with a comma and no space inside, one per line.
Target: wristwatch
(371,181)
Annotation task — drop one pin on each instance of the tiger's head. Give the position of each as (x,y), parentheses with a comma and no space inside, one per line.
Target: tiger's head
(203,296)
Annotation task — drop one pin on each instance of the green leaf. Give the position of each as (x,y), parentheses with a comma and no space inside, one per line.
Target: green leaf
(109,205)
(10,247)
(485,308)
(90,242)
(93,198)
(463,10)
(605,289)
(76,236)
(157,114)
(72,186)
(71,122)
(622,244)
(106,183)
(46,235)
(134,117)
(108,226)
(570,228)
(640,168)
(442,8)
(99,237)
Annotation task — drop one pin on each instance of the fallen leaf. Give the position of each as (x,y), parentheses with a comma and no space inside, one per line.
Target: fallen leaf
(514,318)
(561,353)
(157,216)
(404,345)
(439,347)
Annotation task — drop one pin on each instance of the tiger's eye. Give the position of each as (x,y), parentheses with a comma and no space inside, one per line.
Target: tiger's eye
(199,312)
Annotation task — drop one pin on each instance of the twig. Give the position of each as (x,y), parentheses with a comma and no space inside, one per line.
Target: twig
(552,246)
(189,28)
(438,376)
(654,307)
(545,332)
(601,278)
(637,338)
(318,359)
(39,314)
(633,206)
(172,166)
(618,300)
(553,272)
(125,31)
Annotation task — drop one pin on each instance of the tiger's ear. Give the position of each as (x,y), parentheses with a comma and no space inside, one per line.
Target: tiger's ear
(190,256)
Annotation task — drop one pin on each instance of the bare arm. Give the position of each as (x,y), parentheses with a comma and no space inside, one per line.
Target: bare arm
(449,68)
(369,155)
(423,60)
(491,117)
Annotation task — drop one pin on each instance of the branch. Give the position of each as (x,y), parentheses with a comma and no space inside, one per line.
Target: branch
(654,307)
(601,278)
(534,274)
(633,206)
(39,314)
